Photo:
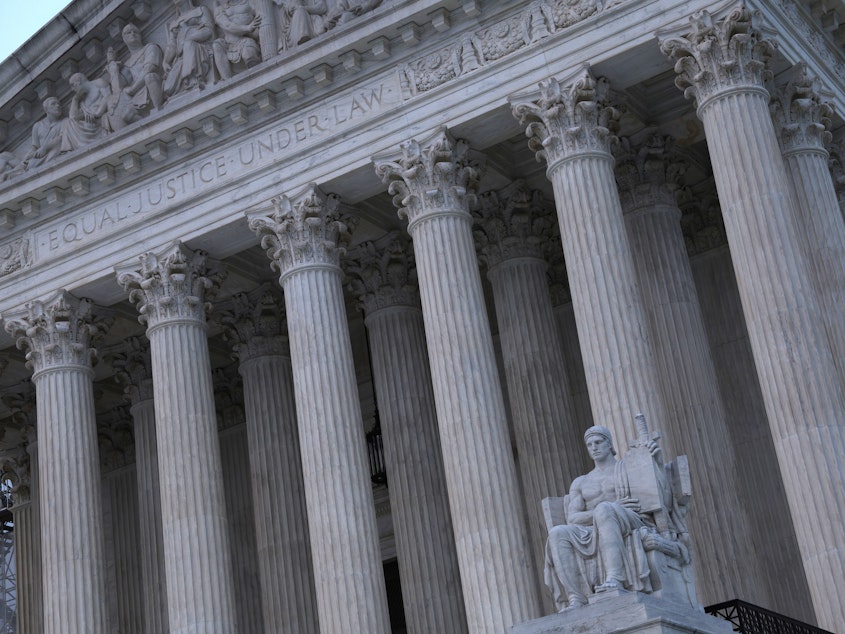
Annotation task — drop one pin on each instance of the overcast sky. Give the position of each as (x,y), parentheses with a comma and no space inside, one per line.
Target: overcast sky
(20,19)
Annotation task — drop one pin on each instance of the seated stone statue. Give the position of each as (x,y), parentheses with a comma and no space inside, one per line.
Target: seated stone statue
(238,22)
(622,525)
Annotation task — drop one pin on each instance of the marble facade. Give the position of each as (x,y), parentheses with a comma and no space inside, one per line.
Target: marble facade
(236,234)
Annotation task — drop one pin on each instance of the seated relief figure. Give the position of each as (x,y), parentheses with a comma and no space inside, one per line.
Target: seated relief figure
(622,525)
(87,120)
(136,83)
(47,134)
(238,22)
(300,21)
(188,58)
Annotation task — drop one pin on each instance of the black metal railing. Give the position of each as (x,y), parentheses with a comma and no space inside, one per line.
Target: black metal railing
(375,449)
(751,619)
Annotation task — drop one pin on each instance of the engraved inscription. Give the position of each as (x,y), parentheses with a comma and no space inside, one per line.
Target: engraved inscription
(187,182)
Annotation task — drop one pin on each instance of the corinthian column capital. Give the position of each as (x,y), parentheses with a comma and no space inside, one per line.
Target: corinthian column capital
(306,230)
(383,273)
(801,117)
(570,120)
(512,222)
(437,175)
(649,172)
(720,56)
(172,285)
(132,363)
(15,468)
(58,332)
(254,324)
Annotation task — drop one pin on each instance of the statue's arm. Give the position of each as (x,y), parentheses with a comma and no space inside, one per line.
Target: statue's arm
(577,512)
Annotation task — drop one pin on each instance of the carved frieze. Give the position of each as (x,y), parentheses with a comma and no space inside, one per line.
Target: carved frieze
(58,331)
(172,285)
(15,255)
(382,273)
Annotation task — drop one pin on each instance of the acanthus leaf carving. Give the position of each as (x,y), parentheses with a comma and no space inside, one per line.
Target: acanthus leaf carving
(512,222)
(801,117)
(133,368)
(59,331)
(15,472)
(440,174)
(115,438)
(382,273)
(174,284)
(309,229)
(648,173)
(254,324)
(565,121)
(720,55)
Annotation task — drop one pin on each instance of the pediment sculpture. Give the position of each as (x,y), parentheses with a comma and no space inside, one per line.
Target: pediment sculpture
(622,525)
(201,44)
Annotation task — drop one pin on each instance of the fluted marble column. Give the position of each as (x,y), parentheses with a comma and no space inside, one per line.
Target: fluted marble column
(721,64)
(304,239)
(134,371)
(254,325)
(124,579)
(26,513)
(512,229)
(801,120)
(170,289)
(433,182)
(648,174)
(572,128)
(58,333)
(384,279)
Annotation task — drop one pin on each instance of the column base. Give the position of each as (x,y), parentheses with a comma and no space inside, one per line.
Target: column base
(624,612)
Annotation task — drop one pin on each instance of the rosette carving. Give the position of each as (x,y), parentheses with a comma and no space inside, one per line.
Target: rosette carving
(309,229)
(648,173)
(58,331)
(173,285)
(512,222)
(254,324)
(565,121)
(440,174)
(801,118)
(720,55)
(383,273)
(134,369)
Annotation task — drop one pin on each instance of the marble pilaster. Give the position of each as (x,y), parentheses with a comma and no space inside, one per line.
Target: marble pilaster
(304,238)
(58,333)
(648,174)
(433,183)
(801,121)
(171,289)
(134,371)
(722,64)
(254,325)
(384,279)
(512,228)
(571,127)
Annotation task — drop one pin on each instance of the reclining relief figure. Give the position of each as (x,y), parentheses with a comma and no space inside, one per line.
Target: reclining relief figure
(622,525)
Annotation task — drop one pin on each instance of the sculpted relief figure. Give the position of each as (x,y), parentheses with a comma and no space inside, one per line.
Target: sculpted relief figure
(136,83)
(622,526)
(239,25)
(188,59)
(87,120)
(47,135)
(300,21)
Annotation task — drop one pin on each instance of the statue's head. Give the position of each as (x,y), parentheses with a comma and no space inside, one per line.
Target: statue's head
(600,431)
(131,34)
(52,106)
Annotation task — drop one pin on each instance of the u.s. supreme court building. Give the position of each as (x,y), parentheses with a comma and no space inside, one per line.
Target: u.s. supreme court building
(302,298)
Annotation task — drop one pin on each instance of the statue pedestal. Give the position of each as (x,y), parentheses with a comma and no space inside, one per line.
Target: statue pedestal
(623,612)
